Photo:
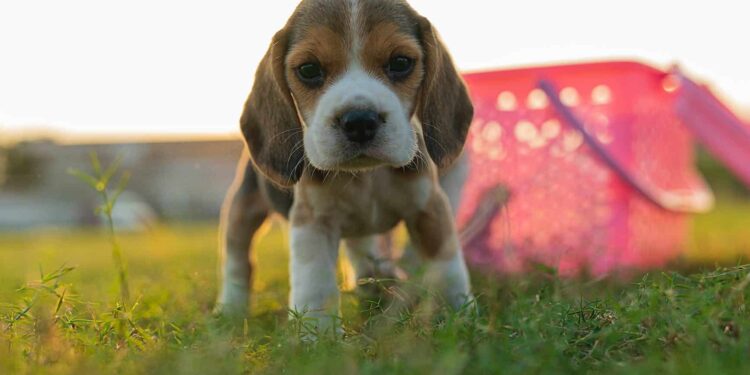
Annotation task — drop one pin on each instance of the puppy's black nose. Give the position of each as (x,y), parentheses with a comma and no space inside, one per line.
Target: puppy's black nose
(360,125)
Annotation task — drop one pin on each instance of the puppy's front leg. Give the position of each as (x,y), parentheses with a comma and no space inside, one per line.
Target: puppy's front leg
(434,234)
(314,290)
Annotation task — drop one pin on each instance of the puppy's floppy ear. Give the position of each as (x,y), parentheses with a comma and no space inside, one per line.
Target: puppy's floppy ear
(444,107)
(270,122)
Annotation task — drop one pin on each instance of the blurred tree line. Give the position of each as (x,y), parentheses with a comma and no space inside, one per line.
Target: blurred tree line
(19,167)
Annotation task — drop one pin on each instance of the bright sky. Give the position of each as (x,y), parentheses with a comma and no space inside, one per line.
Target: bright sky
(144,66)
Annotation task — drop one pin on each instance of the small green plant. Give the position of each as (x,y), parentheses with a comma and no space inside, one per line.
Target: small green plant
(48,284)
(100,181)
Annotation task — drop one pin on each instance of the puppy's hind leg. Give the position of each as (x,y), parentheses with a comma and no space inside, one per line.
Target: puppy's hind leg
(243,213)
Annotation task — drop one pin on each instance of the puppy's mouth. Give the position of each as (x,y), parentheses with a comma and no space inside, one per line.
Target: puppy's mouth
(364,159)
(360,162)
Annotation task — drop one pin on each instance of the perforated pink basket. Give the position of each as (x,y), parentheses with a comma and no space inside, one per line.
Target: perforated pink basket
(597,161)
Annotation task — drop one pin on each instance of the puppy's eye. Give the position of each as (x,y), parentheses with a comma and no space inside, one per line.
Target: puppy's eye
(399,67)
(311,74)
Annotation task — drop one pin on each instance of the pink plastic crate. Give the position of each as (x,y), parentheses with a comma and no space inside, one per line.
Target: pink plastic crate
(598,166)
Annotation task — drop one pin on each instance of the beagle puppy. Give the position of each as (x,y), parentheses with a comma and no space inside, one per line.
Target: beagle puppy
(356,115)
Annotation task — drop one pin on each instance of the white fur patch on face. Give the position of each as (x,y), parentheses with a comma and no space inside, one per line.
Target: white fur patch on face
(327,147)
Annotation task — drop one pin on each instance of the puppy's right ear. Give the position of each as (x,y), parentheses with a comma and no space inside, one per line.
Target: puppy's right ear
(270,122)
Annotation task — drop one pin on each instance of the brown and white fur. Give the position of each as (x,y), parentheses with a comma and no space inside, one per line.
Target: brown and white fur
(302,165)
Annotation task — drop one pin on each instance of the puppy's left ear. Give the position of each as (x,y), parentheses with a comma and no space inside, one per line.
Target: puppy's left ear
(444,107)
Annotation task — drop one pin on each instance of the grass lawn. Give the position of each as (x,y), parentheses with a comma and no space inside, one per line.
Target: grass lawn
(69,321)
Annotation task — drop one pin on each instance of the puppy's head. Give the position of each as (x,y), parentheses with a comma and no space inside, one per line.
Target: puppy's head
(349,85)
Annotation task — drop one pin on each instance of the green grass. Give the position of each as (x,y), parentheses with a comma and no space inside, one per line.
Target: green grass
(72,323)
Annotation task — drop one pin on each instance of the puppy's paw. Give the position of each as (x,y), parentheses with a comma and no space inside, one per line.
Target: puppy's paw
(315,327)
(232,303)
(230,311)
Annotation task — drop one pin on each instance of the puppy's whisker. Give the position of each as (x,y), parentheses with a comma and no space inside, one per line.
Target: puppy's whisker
(300,162)
(435,140)
(351,180)
(299,145)
(325,178)
(293,132)
(291,136)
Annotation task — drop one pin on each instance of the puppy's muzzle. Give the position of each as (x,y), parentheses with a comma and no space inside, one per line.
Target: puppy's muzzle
(360,125)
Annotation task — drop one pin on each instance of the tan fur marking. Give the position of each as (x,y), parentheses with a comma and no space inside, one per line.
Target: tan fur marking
(302,214)
(434,229)
(304,211)
(385,41)
(320,45)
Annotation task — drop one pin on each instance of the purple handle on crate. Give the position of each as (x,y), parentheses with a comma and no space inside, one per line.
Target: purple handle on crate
(715,126)
(696,201)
